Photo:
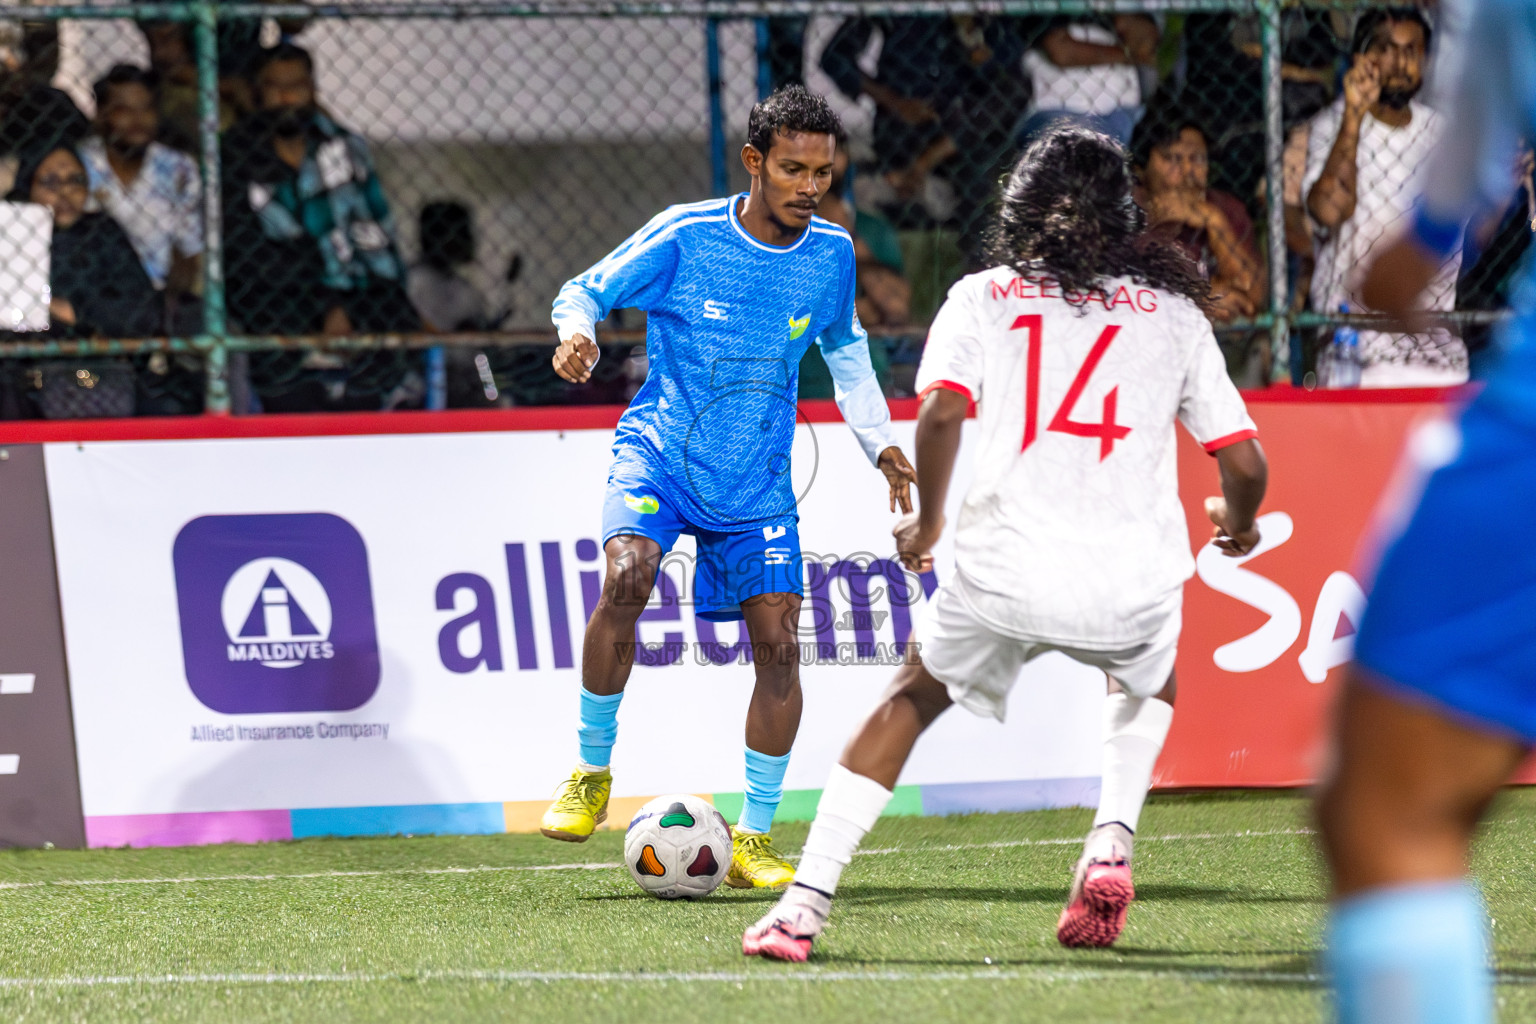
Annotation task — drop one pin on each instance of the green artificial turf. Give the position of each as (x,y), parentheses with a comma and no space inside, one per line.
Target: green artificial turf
(944,919)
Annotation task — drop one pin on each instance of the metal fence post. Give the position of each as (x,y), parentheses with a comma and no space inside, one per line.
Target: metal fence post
(764,58)
(215,330)
(717,176)
(1281,347)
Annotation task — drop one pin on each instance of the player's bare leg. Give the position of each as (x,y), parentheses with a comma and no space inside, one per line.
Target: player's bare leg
(1396,812)
(1102,891)
(773,719)
(856,793)
(607,655)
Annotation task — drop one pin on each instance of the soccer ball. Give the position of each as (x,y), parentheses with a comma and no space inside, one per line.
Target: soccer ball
(678,847)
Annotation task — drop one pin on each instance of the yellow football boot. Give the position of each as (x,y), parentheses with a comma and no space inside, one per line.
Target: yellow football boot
(755,864)
(580,805)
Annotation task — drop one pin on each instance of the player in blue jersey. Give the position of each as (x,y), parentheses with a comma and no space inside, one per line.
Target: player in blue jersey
(735,291)
(1440,704)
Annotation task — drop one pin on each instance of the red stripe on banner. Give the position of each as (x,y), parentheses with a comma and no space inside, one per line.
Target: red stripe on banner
(569,417)
(453,421)
(1363,396)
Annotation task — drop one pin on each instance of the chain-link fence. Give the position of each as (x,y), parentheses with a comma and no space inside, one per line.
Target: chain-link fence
(283,207)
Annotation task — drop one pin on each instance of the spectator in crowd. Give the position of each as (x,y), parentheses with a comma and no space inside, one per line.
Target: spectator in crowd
(946,91)
(446,301)
(33,114)
(151,190)
(1087,71)
(1223,81)
(1170,155)
(1362,153)
(884,294)
(173,57)
(449,303)
(99,288)
(310,244)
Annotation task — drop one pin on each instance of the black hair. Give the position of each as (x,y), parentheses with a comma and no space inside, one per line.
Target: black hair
(790,109)
(447,235)
(284,51)
(31,161)
(1161,126)
(1373,19)
(1066,212)
(124,74)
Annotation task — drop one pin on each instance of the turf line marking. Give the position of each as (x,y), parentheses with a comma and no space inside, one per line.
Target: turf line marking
(607,865)
(801,976)
(1077,841)
(481,869)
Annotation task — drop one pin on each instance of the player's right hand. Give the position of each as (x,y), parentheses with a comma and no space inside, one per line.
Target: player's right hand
(914,542)
(1233,543)
(575,358)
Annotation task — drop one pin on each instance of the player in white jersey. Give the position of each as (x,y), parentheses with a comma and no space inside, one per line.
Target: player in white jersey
(1082,348)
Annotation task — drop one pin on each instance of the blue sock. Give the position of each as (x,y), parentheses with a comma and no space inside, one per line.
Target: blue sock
(1417,954)
(599,727)
(765,788)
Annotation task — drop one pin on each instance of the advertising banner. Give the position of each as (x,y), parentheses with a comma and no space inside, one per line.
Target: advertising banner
(284,636)
(1264,634)
(344,635)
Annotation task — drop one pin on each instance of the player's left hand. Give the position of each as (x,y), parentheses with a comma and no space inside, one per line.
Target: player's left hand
(1233,543)
(900,475)
(914,542)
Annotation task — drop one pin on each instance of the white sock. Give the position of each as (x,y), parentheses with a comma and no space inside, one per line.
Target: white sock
(848,809)
(1134,731)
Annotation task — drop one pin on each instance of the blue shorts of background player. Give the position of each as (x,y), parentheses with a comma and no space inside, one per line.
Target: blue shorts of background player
(730,567)
(1452,615)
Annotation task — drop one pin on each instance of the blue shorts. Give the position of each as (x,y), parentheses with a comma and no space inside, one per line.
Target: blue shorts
(1452,615)
(730,567)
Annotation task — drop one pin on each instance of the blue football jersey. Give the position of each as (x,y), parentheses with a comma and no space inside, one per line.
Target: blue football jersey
(728,319)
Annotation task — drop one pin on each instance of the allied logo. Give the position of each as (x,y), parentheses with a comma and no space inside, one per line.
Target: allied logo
(276,613)
(798,325)
(645,505)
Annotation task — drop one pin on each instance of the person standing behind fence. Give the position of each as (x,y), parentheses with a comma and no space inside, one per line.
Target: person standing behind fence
(150,189)
(310,244)
(33,114)
(1087,71)
(948,95)
(1362,155)
(98,287)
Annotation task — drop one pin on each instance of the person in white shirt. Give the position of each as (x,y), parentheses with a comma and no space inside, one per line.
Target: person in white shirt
(152,190)
(1363,154)
(1088,71)
(1082,347)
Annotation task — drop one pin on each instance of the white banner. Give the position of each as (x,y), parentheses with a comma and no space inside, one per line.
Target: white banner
(340,622)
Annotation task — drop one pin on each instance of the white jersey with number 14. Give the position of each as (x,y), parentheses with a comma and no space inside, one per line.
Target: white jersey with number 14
(1072,531)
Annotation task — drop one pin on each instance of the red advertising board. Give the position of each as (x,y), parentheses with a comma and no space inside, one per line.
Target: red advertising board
(1264,635)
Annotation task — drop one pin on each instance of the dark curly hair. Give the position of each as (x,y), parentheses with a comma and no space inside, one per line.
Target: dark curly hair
(1066,212)
(792,108)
